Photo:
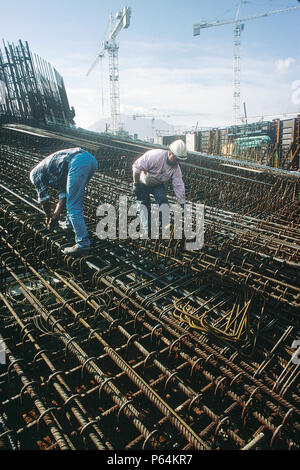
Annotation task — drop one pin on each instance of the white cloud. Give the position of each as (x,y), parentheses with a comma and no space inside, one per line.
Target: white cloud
(284,64)
(192,86)
(84,92)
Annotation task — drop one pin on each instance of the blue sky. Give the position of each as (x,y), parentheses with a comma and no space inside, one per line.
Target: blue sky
(164,69)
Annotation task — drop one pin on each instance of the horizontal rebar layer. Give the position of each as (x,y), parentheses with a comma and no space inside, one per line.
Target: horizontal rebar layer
(143,344)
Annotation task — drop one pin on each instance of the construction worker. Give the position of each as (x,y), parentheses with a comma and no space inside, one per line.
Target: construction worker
(151,173)
(69,171)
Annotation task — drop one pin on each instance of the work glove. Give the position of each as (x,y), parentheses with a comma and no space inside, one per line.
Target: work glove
(137,190)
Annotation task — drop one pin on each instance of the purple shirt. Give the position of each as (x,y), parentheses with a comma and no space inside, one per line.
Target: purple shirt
(154,169)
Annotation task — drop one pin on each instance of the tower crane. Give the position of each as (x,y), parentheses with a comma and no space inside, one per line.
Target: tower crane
(239,26)
(121,21)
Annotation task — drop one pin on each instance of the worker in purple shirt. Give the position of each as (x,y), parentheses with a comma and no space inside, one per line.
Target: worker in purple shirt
(151,173)
(69,171)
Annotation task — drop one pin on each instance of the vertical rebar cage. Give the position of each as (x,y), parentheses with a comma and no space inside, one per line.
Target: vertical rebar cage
(30,88)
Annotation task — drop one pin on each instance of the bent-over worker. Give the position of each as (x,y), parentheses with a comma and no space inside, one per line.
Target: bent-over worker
(151,173)
(69,171)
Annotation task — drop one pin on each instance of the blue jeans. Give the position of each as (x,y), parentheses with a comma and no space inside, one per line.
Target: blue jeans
(81,169)
(160,195)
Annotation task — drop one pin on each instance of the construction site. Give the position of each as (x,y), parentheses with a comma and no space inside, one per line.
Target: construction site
(143,344)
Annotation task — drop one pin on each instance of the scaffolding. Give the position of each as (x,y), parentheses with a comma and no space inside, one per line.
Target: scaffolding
(31,88)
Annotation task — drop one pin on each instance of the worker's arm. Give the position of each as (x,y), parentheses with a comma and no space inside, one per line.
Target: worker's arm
(136,177)
(46,207)
(137,188)
(52,217)
(39,180)
(49,217)
(141,164)
(62,183)
(136,172)
(59,208)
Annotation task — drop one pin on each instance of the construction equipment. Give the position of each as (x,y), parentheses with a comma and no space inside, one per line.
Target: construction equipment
(238,21)
(121,21)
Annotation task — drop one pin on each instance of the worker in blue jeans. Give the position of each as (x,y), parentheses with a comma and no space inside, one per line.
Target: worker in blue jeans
(69,171)
(160,195)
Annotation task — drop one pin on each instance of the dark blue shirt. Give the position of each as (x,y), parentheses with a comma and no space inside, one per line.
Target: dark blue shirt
(53,171)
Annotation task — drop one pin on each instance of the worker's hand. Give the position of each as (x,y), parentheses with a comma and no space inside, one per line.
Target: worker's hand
(47,208)
(137,190)
(51,223)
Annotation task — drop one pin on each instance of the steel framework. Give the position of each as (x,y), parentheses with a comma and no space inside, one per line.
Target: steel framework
(31,88)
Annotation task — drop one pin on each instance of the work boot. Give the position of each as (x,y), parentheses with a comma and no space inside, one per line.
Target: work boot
(76,251)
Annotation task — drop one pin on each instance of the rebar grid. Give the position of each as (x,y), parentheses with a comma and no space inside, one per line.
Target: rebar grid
(143,345)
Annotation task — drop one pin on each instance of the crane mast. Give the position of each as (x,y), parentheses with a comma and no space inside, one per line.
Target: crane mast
(122,21)
(113,57)
(237,67)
